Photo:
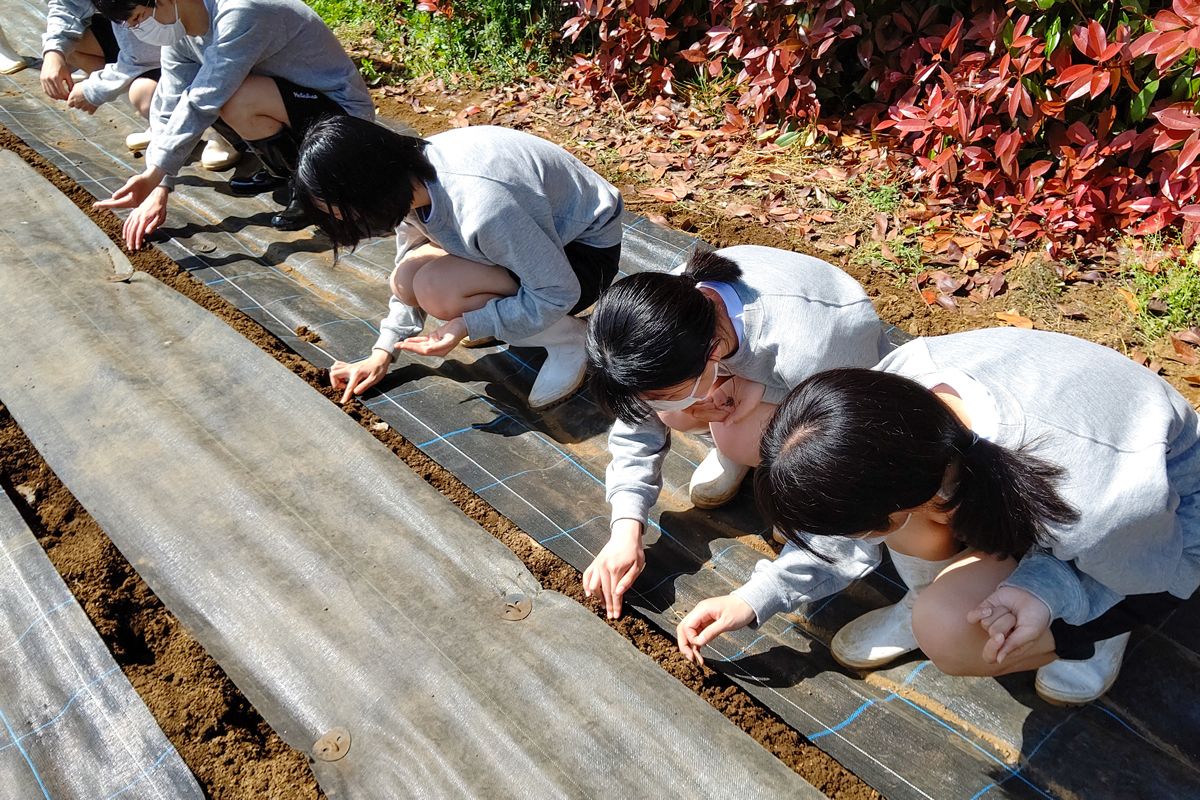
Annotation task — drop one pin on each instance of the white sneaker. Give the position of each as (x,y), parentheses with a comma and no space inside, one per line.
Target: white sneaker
(1073,683)
(565,367)
(10,61)
(716,480)
(883,635)
(137,142)
(218,154)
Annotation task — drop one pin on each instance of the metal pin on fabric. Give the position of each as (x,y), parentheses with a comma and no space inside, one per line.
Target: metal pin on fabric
(516,606)
(333,746)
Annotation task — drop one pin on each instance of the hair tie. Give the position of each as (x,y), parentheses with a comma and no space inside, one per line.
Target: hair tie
(974,441)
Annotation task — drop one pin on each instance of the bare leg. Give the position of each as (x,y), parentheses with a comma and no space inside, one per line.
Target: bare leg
(414,261)
(256,109)
(739,442)
(447,286)
(141,92)
(88,55)
(940,619)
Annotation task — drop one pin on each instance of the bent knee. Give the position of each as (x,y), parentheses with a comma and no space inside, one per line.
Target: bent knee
(939,623)
(400,283)
(435,294)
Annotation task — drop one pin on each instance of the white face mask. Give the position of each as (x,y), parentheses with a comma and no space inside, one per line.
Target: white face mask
(880,537)
(153,32)
(683,403)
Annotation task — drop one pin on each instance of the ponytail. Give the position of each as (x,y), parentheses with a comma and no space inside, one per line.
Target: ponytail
(711,266)
(1005,500)
(652,331)
(848,447)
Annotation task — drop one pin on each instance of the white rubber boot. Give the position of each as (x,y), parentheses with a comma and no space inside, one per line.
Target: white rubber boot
(10,61)
(1073,683)
(137,142)
(565,366)
(883,635)
(218,154)
(716,480)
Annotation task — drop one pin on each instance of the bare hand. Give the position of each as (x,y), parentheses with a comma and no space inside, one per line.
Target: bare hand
(145,219)
(56,75)
(1013,619)
(708,620)
(617,566)
(77,100)
(359,376)
(439,342)
(708,411)
(135,190)
(744,396)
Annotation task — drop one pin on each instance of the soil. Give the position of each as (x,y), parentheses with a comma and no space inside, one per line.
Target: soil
(231,750)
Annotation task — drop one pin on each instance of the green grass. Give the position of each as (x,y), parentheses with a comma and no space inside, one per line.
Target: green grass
(878,191)
(494,41)
(1173,286)
(906,265)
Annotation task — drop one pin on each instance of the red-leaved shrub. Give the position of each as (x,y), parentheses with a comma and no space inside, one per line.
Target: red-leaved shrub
(1063,121)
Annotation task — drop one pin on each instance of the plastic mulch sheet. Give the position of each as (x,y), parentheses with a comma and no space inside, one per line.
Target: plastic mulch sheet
(358,609)
(909,731)
(71,725)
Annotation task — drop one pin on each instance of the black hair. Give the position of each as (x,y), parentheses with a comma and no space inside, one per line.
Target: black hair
(362,175)
(120,10)
(651,331)
(850,446)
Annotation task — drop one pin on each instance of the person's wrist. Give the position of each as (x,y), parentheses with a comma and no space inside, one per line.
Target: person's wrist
(626,530)
(387,355)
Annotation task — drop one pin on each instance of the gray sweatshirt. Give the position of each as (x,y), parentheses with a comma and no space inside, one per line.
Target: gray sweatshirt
(1128,444)
(514,200)
(801,315)
(277,38)
(66,20)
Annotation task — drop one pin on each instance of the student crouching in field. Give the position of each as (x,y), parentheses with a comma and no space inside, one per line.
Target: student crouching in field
(710,351)
(499,234)
(268,68)
(1039,494)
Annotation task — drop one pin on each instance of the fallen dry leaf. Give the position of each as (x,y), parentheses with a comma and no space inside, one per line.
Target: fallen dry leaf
(665,195)
(1184,351)
(1015,319)
(1130,300)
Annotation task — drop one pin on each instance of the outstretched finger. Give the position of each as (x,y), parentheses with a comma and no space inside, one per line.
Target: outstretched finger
(606,586)
(589,580)
(684,634)
(351,384)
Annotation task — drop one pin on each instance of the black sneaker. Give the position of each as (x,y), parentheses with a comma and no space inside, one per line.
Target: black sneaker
(292,218)
(259,182)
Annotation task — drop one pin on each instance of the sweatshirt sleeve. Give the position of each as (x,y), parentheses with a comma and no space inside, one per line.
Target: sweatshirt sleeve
(798,575)
(65,24)
(1072,596)
(134,59)
(548,285)
(402,320)
(193,95)
(633,479)
(107,84)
